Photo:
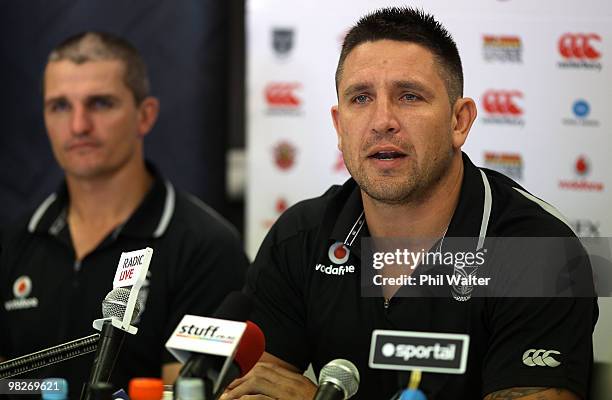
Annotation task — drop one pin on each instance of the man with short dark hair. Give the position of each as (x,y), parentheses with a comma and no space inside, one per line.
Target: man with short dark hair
(401,121)
(58,263)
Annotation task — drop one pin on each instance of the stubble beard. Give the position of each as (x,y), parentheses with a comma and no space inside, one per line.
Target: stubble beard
(412,187)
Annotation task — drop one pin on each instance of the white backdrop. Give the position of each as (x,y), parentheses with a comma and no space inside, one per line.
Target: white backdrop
(539,72)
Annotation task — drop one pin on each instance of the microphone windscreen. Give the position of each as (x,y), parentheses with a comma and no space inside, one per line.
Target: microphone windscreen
(341,373)
(115,303)
(251,347)
(236,306)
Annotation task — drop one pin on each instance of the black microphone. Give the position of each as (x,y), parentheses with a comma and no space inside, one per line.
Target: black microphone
(111,337)
(338,380)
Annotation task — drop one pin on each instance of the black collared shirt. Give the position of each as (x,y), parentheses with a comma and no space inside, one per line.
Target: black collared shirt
(47,298)
(310,315)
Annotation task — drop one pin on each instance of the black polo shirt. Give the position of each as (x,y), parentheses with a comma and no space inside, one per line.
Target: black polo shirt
(309,316)
(48,298)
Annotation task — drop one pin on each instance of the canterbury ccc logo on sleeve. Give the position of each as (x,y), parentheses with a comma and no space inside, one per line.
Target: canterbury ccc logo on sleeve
(540,358)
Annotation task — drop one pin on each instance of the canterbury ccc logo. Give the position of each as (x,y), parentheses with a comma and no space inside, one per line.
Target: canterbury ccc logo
(540,358)
(282,94)
(502,102)
(578,45)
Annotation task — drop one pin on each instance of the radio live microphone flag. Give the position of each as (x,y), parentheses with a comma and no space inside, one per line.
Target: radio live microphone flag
(207,346)
(120,308)
(338,380)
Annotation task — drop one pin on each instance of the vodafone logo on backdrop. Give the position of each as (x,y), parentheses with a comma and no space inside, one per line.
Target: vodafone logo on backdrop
(502,107)
(580,51)
(282,99)
(582,169)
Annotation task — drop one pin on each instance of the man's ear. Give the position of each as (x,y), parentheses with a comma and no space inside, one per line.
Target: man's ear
(148,110)
(336,118)
(464,114)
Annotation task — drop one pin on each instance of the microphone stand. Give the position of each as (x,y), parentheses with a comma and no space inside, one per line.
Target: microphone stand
(52,355)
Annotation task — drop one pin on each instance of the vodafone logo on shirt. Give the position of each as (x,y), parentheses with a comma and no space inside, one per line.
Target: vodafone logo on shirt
(338,254)
(22,287)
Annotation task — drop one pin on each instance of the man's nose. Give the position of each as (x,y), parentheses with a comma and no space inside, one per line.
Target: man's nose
(385,119)
(81,121)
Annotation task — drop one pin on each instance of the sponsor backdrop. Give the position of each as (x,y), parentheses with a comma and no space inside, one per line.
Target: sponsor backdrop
(539,73)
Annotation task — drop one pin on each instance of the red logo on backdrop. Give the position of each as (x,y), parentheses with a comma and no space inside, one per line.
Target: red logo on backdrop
(582,168)
(502,102)
(578,46)
(282,94)
(281,205)
(284,155)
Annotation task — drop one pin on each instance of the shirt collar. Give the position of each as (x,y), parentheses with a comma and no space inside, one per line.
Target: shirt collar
(466,220)
(150,220)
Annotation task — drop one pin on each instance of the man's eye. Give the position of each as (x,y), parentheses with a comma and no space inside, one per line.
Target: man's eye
(101,104)
(361,99)
(59,106)
(410,97)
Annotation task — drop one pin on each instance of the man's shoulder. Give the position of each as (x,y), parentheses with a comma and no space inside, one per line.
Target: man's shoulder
(517,212)
(193,215)
(18,229)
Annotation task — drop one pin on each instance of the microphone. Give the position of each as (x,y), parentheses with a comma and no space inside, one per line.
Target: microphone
(250,348)
(236,307)
(338,380)
(114,306)
(209,366)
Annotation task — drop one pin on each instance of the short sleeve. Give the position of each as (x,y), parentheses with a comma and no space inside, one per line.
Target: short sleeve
(540,342)
(277,288)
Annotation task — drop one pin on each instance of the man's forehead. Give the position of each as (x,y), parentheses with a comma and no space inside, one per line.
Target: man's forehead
(67,75)
(390,56)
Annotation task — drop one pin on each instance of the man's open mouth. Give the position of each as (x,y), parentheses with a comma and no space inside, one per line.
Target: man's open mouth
(387,155)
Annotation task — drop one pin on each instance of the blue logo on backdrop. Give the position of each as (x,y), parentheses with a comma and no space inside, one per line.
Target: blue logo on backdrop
(581,108)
